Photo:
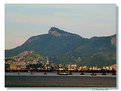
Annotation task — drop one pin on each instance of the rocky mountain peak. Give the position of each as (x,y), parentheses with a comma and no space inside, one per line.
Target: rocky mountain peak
(58,32)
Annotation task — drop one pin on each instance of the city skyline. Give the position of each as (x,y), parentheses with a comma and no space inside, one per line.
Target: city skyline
(24,21)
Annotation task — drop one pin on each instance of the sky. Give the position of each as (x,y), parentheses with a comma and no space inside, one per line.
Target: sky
(87,20)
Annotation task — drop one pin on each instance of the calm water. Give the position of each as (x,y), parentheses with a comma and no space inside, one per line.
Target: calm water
(54,74)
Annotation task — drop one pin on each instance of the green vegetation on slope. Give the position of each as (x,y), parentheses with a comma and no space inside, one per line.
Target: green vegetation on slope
(63,47)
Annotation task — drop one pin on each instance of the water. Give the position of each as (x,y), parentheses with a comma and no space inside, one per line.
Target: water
(55,74)
(51,79)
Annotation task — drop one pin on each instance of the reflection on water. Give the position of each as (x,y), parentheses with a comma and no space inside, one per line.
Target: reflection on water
(53,74)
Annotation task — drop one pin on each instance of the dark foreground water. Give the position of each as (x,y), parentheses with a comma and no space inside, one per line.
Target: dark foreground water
(54,80)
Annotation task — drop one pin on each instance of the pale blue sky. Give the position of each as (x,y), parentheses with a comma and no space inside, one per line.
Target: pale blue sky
(24,21)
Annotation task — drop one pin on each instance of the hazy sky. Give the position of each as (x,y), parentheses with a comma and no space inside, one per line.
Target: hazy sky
(24,21)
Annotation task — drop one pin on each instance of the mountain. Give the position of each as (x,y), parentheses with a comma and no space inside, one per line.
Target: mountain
(64,47)
(56,42)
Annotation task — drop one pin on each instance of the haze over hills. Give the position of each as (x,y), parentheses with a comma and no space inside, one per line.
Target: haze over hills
(64,47)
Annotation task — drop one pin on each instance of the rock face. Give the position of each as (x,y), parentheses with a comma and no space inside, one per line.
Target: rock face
(57,32)
(113,40)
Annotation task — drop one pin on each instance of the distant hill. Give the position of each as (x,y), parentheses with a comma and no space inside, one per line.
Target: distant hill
(64,47)
(27,56)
